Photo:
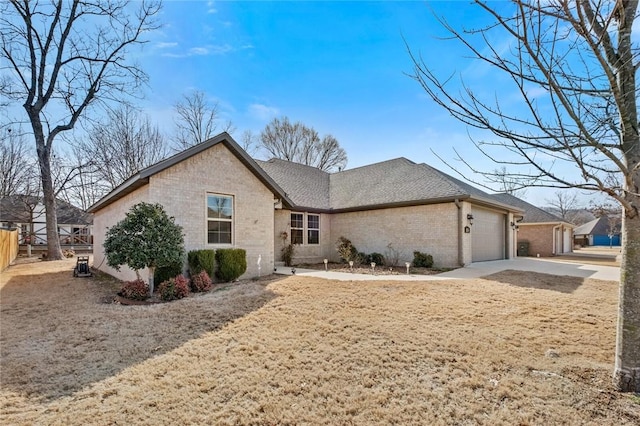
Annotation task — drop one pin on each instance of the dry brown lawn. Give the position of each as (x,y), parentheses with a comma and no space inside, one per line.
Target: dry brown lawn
(513,348)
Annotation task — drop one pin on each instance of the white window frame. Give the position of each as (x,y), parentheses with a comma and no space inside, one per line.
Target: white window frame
(310,229)
(304,228)
(208,219)
(297,228)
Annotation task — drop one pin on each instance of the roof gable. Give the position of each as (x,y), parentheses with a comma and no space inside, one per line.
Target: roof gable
(598,226)
(142,177)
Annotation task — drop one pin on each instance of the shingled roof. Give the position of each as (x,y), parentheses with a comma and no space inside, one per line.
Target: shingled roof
(532,214)
(598,226)
(304,185)
(390,183)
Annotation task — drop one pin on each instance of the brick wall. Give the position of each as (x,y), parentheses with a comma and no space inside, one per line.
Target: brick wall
(305,253)
(182,190)
(431,229)
(106,218)
(540,238)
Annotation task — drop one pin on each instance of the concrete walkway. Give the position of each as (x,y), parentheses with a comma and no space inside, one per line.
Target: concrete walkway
(476,270)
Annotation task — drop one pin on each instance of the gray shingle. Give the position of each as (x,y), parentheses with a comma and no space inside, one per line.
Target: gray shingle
(532,214)
(393,182)
(306,186)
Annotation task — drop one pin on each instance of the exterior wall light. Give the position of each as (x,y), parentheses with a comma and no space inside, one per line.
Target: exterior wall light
(470,218)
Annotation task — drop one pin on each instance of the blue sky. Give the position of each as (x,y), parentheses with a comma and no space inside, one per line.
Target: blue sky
(340,67)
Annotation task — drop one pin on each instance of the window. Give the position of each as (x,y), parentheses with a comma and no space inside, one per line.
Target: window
(219,219)
(313,229)
(301,227)
(297,228)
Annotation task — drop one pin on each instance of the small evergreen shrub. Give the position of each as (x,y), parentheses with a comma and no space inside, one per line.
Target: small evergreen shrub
(422,260)
(135,290)
(376,258)
(174,288)
(164,273)
(200,282)
(231,263)
(201,260)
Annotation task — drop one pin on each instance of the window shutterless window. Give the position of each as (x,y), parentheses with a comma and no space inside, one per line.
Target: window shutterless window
(297,228)
(219,219)
(313,229)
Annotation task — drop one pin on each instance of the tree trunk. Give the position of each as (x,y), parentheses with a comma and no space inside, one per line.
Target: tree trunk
(49,198)
(627,363)
(152,271)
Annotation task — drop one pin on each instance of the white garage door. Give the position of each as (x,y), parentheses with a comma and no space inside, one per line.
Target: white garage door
(487,235)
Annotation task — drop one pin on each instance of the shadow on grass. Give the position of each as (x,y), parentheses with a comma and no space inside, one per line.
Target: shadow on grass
(537,280)
(58,335)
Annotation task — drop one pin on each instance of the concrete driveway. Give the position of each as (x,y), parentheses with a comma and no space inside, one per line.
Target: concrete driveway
(476,270)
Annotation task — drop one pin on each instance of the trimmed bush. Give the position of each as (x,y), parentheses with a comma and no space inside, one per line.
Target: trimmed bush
(231,263)
(422,260)
(165,273)
(201,260)
(200,282)
(174,288)
(376,258)
(135,290)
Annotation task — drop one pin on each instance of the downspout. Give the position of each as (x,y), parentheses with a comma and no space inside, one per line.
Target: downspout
(460,253)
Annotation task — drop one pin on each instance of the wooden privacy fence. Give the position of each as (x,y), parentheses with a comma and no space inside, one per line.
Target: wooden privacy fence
(8,247)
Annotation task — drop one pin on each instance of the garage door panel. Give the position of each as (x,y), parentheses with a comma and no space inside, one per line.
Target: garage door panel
(488,235)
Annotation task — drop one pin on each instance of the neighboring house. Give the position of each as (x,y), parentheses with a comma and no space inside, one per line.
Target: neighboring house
(539,232)
(27,213)
(223,198)
(603,231)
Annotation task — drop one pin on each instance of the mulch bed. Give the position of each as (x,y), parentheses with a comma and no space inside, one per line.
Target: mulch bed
(378,270)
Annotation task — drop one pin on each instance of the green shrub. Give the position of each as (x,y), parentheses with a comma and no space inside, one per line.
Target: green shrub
(231,263)
(201,260)
(376,258)
(422,260)
(135,290)
(201,282)
(165,273)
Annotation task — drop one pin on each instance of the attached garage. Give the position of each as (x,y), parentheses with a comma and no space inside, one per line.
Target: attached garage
(488,235)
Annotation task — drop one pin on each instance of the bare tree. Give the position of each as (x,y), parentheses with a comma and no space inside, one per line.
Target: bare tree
(197,120)
(249,142)
(129,133)
(63,56)
(573,64)
(564,204)
(16,171)
(301,144)
(506,183)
